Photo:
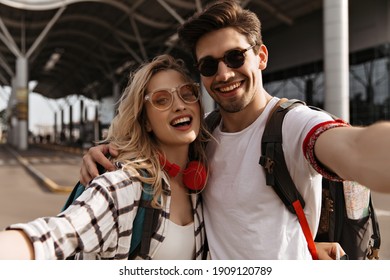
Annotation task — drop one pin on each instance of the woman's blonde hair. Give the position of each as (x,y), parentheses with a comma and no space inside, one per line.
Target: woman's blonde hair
(138,149)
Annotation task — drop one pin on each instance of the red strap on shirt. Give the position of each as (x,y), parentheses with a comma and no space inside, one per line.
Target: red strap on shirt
(306,230)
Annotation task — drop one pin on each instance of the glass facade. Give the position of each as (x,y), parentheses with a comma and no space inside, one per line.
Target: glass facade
(369,81)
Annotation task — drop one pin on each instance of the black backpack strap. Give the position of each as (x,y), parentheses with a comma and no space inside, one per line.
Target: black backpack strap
(376,236)
(375,241)
(277,174)
(272,158)
(149,228)
(147,218)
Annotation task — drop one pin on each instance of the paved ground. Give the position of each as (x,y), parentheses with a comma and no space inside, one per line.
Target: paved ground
(36,183)
(38,191)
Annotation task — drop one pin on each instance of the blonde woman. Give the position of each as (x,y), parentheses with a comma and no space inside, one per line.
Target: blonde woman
(159,128)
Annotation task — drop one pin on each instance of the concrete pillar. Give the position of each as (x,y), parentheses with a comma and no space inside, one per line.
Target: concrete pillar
(81,125)
(22,92)
(336,58)
(55,128)
(388,83)
(86,114)
(62,131)
(81,112)
(71,140)
(13,121)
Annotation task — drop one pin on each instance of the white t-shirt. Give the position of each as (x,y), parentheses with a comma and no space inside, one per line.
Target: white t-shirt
(244,218)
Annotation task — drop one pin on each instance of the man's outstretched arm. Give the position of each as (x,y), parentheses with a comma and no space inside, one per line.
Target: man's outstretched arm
(359,154)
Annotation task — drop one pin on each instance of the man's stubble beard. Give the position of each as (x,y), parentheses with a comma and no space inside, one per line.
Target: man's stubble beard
(237,105)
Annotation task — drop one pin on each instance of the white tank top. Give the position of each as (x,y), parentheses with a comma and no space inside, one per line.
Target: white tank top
(179,243)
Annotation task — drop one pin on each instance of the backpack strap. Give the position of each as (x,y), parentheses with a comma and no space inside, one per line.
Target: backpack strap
(78,189)
(375,241)
(272,144)
(277,175)
(144,225)
(373,252)
(272,158)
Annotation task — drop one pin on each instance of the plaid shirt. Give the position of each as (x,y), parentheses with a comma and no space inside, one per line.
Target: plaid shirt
(98,225)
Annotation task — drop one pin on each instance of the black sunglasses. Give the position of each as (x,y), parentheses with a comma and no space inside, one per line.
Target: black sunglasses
(208,65)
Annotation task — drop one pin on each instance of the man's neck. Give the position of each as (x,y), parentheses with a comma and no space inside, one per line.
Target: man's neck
(235,122)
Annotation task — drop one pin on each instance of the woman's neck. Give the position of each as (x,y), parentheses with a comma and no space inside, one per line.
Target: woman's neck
(177,155)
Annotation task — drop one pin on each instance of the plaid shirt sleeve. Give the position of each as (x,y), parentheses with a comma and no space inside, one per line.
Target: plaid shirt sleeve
(98,223)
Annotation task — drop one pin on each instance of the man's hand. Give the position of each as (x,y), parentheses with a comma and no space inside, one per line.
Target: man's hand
(329,250)
(96,155)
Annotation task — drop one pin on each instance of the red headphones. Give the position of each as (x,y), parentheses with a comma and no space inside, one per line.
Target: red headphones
(194,176)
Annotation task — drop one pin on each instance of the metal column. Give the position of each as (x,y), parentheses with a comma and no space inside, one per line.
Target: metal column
(336,57)
(22,92)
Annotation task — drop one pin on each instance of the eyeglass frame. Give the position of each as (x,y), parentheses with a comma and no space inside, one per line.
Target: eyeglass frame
(223,58)
(148,96)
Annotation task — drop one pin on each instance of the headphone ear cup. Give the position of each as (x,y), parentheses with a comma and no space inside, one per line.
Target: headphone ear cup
(194,176)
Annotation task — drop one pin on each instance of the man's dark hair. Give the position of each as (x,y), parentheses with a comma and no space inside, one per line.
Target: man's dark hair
(218,15)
